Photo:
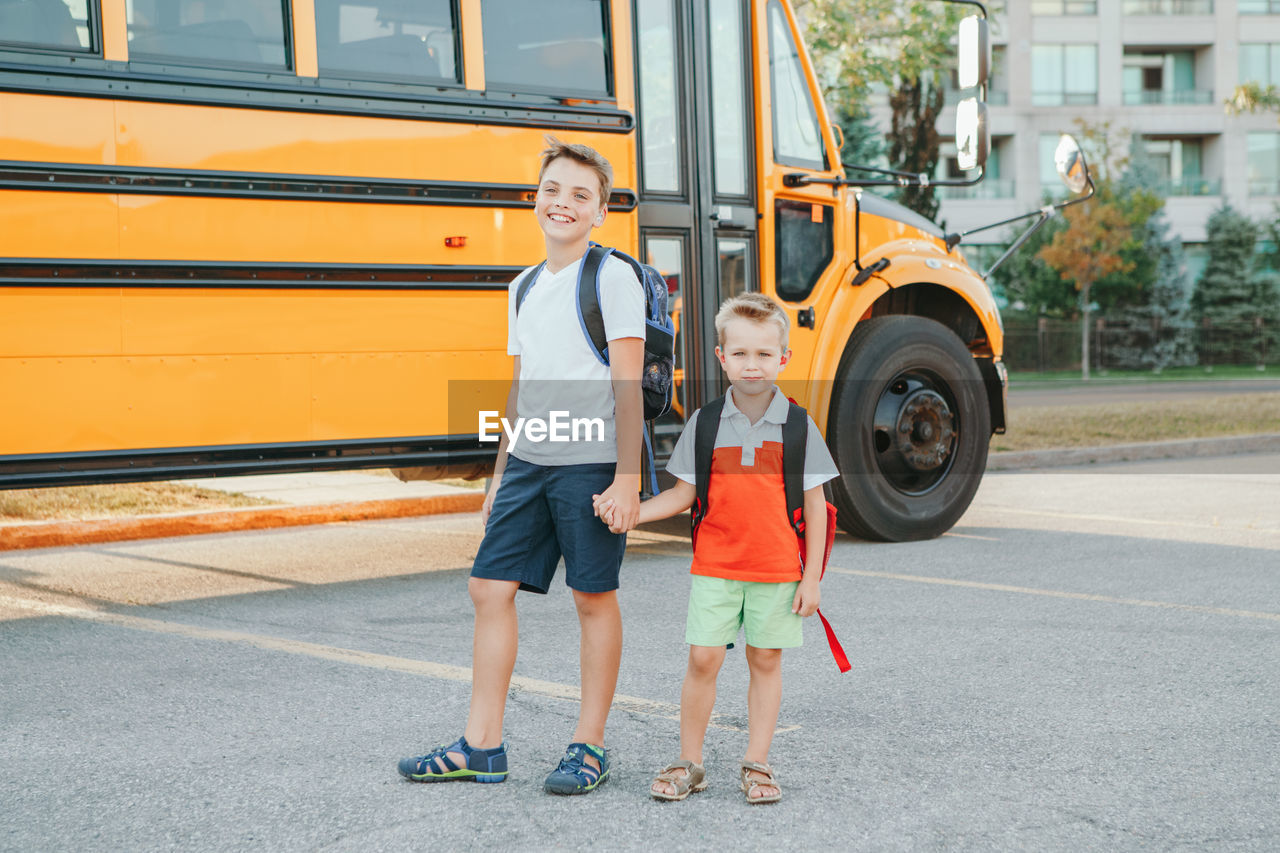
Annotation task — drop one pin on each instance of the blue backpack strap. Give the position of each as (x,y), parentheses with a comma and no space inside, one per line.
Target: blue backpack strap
(795,438)
(704,445)
(650,463)
(522,289)
(589,313)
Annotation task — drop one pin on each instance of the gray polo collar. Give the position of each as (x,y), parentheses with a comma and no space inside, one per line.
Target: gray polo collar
(775,414)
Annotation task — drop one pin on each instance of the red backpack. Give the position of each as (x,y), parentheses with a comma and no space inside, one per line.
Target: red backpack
(795,436)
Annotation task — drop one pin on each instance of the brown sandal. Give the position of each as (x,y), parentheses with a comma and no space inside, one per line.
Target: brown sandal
(749,784)
(693,779)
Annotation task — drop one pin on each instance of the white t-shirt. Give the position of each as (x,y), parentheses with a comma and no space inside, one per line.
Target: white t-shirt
(559,371)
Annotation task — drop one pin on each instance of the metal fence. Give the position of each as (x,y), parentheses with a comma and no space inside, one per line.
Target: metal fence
(1046,345)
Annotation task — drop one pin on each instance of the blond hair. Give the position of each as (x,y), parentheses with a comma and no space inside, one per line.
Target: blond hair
(579,153)
(757,308)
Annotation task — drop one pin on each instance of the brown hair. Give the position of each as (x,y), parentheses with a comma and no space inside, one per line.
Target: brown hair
(755,307)
(579,153)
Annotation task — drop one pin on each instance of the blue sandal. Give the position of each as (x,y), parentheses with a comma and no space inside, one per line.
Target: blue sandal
(483,765)
(575,775)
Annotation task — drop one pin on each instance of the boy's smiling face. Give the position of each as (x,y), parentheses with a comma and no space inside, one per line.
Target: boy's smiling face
(752,355)
(568,204)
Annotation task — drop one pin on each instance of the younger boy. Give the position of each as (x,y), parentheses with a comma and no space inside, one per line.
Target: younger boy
(539,505)
(746,558)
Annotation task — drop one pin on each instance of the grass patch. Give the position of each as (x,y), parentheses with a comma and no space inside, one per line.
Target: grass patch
(1058,378)
(79,503)
(1047,427)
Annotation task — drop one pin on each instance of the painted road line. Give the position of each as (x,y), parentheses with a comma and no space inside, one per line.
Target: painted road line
(1054,593)
(1151,522)
(534,686)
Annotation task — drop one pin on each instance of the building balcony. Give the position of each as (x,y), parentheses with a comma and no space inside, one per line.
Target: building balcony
(989,188)
(1065,7)
(1168,7)
(1168,96)
(1264,187)
(1190,186)
(995,97)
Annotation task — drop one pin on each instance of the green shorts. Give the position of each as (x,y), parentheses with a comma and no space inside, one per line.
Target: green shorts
(718,608)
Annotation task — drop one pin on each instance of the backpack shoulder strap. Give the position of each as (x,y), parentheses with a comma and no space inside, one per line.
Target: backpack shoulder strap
(526,283)
(795,437)
(589,314)
(704,445)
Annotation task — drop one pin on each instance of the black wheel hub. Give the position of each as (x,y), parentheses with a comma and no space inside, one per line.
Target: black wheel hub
(914,432)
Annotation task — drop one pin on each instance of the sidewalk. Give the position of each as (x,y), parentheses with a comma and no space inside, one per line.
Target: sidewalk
(320,497)
(326,497)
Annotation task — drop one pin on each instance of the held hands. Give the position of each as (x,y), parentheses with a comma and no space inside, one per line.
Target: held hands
(807,597)
(618,507)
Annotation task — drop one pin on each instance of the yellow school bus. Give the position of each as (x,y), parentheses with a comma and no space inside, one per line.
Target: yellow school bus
(247,236)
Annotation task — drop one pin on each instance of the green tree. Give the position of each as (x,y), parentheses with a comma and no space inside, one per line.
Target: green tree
(1225,301)
(913,140)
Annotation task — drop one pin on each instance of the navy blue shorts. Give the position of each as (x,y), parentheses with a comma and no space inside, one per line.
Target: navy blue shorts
(543,512)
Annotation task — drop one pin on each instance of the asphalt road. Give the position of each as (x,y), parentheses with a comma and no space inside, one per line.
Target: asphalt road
(1089,660)
(1110,391)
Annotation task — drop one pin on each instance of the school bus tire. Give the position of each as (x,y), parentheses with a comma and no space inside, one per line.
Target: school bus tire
(909,428)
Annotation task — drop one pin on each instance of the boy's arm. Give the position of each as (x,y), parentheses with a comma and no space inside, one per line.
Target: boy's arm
(626,361)
(673,501)
(815,540)
(501,464)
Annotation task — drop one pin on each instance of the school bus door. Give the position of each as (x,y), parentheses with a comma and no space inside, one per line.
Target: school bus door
(698,175)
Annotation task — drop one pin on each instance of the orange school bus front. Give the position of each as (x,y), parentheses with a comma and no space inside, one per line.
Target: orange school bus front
(278,237)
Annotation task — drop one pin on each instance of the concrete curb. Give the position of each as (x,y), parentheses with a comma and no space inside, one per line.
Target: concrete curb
(63,533)
(1178,449)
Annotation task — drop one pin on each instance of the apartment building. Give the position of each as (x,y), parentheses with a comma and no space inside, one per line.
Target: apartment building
(1163,70)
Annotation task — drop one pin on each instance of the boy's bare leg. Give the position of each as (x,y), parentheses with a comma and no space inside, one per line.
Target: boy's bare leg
(493,657)
(697,699)
(764,697)
(600,654)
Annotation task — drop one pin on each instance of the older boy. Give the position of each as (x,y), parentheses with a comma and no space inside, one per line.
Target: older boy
(746,558)
(539,506)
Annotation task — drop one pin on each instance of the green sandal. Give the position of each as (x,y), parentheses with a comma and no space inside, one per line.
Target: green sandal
(693,779)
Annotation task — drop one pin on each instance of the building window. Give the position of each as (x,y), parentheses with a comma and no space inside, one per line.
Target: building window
(994,184)
(1264,164)
(1064,74)
(1179,163)
(387,40)
(244,33)
(1260,63)
(51,25)
(1064,7)
(1258,7)
(1152,77)
(559,48)
(1168,7)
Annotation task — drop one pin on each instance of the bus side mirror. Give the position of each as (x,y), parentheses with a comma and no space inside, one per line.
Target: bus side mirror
(1069,160)
(974,53)
(973,134)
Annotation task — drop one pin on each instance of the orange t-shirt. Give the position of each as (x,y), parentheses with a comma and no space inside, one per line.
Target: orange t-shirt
(745,535)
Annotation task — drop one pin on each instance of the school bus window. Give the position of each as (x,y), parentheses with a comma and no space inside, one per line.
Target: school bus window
(659,101)
(728,101)
(50,24)
(388,39)
(208,32)
(735,267)
(546,45)
(805,246)
(796,138)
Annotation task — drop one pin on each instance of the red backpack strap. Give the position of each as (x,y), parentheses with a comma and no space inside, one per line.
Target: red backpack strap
(704,445)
